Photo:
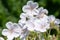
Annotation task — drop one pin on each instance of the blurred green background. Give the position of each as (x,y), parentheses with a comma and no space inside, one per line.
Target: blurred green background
(10,10)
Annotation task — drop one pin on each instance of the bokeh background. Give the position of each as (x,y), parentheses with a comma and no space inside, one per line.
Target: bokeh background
(10,10)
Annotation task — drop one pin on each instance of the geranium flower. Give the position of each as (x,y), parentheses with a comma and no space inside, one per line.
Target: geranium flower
(45,18)
(30,26)
(25,19)
(53,21)
(12,30)
(57,21)
(42,12)
(1,38)
(23,16)
(41,26)
(24,31)
(30,8)
(51,18)
(24,34)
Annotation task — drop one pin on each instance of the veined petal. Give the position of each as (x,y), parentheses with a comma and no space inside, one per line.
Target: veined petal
(23,16)
(24,34)
(17,30)
(9,25)
(47,25)
(32,4)
(30,26)
(15,26)
(16,34)
(45,11)
(10,37)
(40,9)
(39,29)
(5,32)
(29,2)
(26,8)
(22,21)
(57,21)
(44,19)
(36,5)
(34,12)
(51,18)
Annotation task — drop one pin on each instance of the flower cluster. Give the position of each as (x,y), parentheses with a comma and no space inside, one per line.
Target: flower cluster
(33,18)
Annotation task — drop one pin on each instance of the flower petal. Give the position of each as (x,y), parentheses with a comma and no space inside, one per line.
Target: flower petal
(26,8)
(51,18)
(40,9)
(5,32)
(22,22)
(32,4)
(45,11)
(16,26)
(30,26)
(23,16)
(17,33)
(24,34)
(9,25)
(10,37)
(57,21)
(29,2)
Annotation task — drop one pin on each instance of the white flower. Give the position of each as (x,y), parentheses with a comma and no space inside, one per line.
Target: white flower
(41,25)
(12,30)
(42,12)
(25,19)
(27,24)
(22,21)
(45,18)
(24,34)
(1,38)
(54,21)
(24,31)
(51,18)
(30,8)
(23,16)
(57,21)
(30,26)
